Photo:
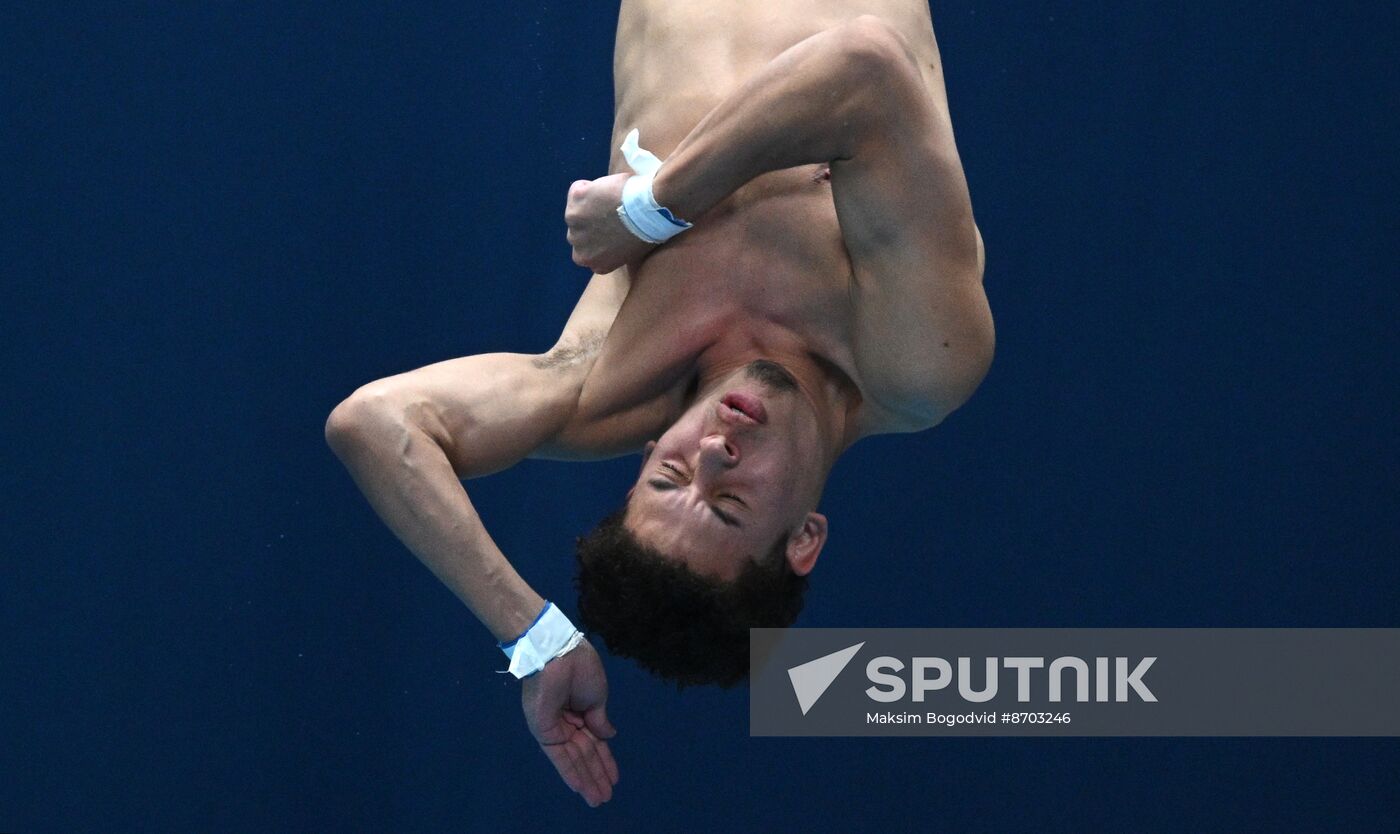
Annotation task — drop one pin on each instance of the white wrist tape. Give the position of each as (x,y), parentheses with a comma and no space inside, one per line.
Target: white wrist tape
(550,636)
(640,212)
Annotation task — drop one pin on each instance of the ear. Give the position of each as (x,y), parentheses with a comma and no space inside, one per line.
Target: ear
(806,544)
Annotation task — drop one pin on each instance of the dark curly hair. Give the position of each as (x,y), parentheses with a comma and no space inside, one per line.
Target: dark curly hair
(676,623)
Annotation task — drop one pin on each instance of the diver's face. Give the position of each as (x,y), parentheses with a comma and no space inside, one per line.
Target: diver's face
(736,472)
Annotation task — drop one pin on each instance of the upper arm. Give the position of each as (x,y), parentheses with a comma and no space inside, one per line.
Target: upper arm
(485,412)
(906,219)
(900,189)
(489,411)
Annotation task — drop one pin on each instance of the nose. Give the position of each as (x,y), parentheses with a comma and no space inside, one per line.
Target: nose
(717,452)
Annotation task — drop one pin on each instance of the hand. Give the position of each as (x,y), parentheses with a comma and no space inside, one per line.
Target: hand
(565,708)
(596,233)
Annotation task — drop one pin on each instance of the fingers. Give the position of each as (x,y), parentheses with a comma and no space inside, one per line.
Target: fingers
(590,760)
(606,756)
(598,723)
(566,762)
(586,765)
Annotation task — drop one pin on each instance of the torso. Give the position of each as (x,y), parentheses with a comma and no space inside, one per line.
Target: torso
(766,271)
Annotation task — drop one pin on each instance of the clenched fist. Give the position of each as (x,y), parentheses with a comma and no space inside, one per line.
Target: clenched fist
(600,241)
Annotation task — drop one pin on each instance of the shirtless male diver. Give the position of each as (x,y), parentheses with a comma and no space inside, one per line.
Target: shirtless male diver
(829,289)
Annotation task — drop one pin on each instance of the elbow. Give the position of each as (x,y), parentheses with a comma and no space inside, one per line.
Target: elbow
(341,428)
(362,417)
(974,362)
(346,426)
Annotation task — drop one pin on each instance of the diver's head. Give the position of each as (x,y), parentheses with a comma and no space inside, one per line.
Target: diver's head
(741,468)
(717,535)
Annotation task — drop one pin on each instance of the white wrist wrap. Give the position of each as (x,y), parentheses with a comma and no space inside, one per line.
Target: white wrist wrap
(551,636)
(640,212)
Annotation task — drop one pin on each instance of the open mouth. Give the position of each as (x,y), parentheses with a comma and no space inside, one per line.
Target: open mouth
(744,406)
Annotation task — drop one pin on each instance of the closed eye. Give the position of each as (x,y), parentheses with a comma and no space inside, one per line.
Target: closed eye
(728,519)
(672,478)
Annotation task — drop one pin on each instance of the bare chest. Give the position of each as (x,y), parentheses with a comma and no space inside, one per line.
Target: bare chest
(766,274)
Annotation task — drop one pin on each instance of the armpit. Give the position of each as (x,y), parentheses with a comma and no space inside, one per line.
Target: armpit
(576,350)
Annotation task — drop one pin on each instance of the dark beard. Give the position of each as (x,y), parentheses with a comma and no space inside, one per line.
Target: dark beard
(771,374)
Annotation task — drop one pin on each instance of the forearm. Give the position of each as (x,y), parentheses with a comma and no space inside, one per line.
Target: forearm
(408,479)
(809,105)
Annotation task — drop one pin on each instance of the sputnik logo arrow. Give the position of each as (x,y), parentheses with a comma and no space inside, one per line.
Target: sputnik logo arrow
(812,678)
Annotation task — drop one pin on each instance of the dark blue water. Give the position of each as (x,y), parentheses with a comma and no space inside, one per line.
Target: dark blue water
(220,218)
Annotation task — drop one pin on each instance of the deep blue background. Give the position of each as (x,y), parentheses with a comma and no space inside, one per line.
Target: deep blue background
(220,218)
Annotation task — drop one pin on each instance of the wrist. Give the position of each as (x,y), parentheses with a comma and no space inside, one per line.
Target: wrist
(640,211)
(665,192)
(549,636)
(513,610)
